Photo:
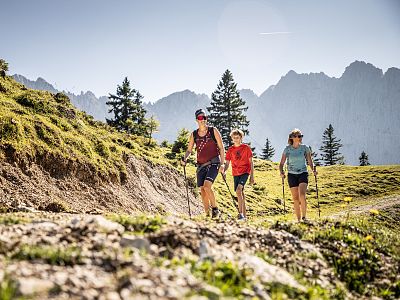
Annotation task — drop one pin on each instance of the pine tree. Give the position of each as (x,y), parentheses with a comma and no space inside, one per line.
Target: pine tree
(364,159)
(330,148)
(3,67)
(152,127)
(227,108)
(314,156)
(268,151)
(180,145)
(129,114)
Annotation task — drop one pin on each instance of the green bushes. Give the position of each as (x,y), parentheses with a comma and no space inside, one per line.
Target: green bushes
(49,254)
(140,224)
(10,129)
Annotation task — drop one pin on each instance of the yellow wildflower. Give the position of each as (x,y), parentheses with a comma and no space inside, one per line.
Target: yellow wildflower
(347,199)
(343,205)
(374,212)
(369,238)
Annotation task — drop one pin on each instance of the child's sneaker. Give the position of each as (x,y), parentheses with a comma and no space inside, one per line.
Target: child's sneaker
(241,217)
(215,213)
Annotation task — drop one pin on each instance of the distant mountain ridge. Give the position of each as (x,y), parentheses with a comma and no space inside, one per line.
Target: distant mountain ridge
(87,101)
(363,105)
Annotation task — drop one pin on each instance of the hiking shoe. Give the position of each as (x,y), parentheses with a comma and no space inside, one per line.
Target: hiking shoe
(241,217)
(305,220)
(215,213)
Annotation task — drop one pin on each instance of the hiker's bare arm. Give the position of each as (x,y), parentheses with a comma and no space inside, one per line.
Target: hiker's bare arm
(226,166)
(281,164)
(252,171)
(311,163)
(189,148)
(220,145)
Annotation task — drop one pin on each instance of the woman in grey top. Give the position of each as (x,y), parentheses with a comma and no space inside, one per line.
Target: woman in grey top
(296,154)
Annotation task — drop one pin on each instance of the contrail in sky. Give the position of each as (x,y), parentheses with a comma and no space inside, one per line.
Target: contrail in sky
(276,32)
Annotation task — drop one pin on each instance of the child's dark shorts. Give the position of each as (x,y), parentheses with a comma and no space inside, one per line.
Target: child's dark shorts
(241,179)
(295,179)
(209,173)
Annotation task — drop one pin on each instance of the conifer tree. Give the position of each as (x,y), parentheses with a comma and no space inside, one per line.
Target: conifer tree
(129,114)
(152,127)
(3,67)
(314,156)
(268,151)
(227,108)
(364,159)
(330,148)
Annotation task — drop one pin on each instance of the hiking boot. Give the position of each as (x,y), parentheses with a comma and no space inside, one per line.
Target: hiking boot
(215,213)
(305,220)
(241,217)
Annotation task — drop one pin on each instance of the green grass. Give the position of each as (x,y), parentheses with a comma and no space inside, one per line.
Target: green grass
(8,289)
(139,223)
(356,249)
(38,124)
(335,183)
(49,254)
(11,220)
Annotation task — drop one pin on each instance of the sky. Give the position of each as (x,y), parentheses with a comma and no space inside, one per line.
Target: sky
(167,46)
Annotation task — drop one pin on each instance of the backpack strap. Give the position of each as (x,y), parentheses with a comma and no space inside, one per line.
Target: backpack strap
(195,135)
(210,130)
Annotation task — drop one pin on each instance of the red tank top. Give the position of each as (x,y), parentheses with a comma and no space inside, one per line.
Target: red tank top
(206,147)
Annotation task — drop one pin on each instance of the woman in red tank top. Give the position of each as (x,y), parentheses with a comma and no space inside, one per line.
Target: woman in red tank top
(210,159)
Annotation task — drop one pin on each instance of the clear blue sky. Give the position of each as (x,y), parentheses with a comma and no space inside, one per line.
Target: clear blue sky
(167,46)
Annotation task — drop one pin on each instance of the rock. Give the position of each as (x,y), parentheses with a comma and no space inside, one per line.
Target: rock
(211,292)
(268,273)
(135,242)
(111,296)
(203,250)
(105,225)
(28,286)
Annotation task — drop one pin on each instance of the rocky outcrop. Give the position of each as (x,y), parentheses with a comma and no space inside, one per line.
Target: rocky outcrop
(75,186)
(67,256)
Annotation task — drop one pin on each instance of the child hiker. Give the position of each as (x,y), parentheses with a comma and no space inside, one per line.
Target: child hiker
(241,157)
(296,155)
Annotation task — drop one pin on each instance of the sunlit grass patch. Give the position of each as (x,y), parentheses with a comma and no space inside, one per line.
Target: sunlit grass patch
(50,254)
(139,223)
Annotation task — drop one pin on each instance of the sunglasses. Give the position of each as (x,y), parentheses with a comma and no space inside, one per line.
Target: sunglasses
(298,136)
(201,118)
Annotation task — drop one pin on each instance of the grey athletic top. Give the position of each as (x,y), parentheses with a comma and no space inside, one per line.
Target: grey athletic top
(296,158)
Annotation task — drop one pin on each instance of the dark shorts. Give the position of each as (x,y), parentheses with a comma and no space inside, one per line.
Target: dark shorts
(241,179)
(295,179)
(209,173)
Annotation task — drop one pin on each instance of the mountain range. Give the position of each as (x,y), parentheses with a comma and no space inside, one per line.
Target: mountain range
(363,106)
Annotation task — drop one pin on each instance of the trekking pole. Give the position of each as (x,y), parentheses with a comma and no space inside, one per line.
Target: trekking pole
(316,188)
(187,190)
(234,199)
(283,194)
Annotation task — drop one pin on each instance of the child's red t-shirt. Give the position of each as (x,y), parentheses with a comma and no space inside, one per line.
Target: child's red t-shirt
(240,159)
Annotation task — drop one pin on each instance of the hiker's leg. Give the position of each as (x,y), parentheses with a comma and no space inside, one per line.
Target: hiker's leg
(204,198)
(212,173)
(239,193)
(296,204)
(244,205)
(201,176)
(302,198)
(209,193)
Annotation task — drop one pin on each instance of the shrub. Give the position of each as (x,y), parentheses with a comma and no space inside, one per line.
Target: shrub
(10,129)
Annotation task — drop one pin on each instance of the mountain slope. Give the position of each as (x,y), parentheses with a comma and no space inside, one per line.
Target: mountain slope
(53,153)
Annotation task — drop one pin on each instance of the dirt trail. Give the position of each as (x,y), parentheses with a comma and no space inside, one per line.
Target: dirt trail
(379,204)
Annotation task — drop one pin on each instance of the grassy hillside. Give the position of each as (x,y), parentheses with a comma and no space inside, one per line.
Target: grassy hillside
(334,184)
(38,123)
(359,250)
